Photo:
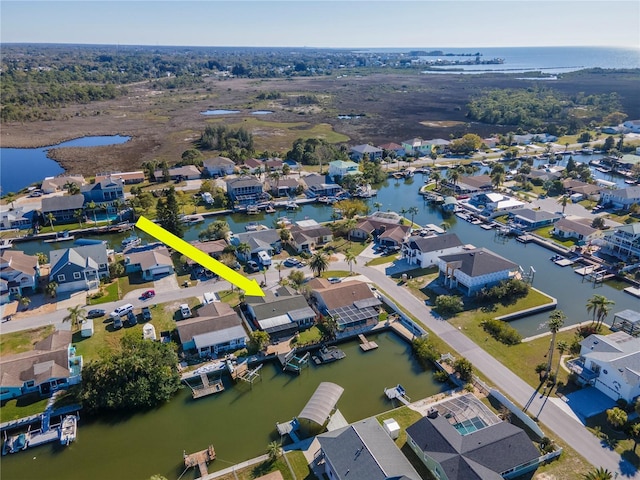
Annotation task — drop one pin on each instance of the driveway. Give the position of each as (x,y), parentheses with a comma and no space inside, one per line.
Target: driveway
(166,284)
(588,402)
(65,300)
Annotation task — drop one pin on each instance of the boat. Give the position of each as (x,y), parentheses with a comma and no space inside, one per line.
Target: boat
(292,205)
(68,429)
(630,181)
(5,244)
(603,170)
(252,210)
(283,222)
(130,241)
(192,219)
(16,443)
(60,237)
(251,227)
(328,355)
(269,209)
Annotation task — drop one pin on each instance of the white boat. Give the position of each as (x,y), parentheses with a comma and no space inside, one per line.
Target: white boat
(68,429)
(131,241)
(5,244)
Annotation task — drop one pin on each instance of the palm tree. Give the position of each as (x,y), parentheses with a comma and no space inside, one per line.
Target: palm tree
(599,473)
(617,417)
(79,214)
(76,315)
(93,206)
(319,263)
(377,205)
(51,219)
(453,175)
(562,347)
(274,450)
(413,211)
(120,204)
(600,306)
(497,179)
(286,170)
(348,225)
(555,322)
(51,289)
(445,226)
(563,200)
(24,302)
(403,212)
(279,267)
(435,175)
(350,258)
(244,250)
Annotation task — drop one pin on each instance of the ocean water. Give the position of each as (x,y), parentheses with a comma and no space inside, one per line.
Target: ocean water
(546,59)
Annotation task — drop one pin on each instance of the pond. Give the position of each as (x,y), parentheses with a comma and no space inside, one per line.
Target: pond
(261,112)
(21,167)
(219,112)
(239,422)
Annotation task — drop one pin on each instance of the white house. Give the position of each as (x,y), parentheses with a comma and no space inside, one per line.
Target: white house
(623,241)
(632,125)
(611,363)
(622,198)
(575,228)
(473,270)
(340,168)
(219,166)
(424,251)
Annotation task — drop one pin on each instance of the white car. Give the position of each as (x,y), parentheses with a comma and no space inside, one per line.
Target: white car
(185,311)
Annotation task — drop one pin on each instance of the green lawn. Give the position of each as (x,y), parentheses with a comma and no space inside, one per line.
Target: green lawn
(24,406)
(299,465)
(132,282)
(617,439)
(23,341)
(111,295)
(383,260)
(335,273)
(545,232)
(310,335)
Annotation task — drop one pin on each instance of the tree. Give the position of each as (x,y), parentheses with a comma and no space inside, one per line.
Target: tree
(138,375)
(24,302)
(562,347)
(413,211)
(42,258)
(350,258)
(448,304)
(555,322)
(563,200)
(274,450)
(10,198)
(464,369)
(600,306)
(435,176)
(214,231)
(78,214)
(168,213)
(617,417)
(296,277)
(599,473)
(285,235)
(377,206)
(425,349)
(72,188)
(598,223)
(75,316)
(319,263)
(279,268)
(259,339)
(51,219)
(350,208)
(453,175)
(244,249)
(51,289)
(347,226)
(497,179)
(92,206)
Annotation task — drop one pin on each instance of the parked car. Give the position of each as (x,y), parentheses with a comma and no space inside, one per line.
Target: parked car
(185,311)
(252,266)
(148,294)
(95,313)
(290,262)
(123,310)
(117,323)
(334,279)
(131,319)
(146,314)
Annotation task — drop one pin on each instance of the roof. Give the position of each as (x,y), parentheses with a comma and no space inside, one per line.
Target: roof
(534,215)
(568,225)
(619,350)
(215,337)
(626,193)
(390,146)
(148,256)
(365,148)
(481,455)
(277,306)
(213,317)
(343,294)
(434,243)
(124,176)
(253,162)
(478,181)
(629,315)
(364,451)
(213,246)
(59,182)
(66,202)
(479,262)
(257,240)
(244,181)
(218,162)
(85,256)
(18,261)
(184,171)
(104,183)
(322,402)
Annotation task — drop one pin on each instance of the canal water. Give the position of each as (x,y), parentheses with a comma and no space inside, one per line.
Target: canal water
(238,422)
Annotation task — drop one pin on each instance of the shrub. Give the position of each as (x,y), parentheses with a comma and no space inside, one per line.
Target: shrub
(501,331)
(441,376)
(507,290)
(464,368)
(448,304)
(425,350)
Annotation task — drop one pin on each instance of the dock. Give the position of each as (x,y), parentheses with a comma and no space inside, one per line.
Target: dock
(208,387)
(635,291)
(525,238)
(201,459)
(242,372)
(366,345)
(398,392)
(290,362)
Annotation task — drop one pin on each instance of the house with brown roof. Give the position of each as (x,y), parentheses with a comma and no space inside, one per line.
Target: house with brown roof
(127,177)
(351,303)
(306,234)
(215,330)
(573,186)
(284,187)
(186,172)
(213,248)
(19,271)
(385,232)
(471,185)
(393,147)
(56,184)
(153,261)
(52,365)
(576,227)
(253,165)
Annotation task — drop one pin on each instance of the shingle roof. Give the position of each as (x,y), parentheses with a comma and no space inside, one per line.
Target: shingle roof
(434,243)
(568,225)
(365,148)
(282,306)
(149,256)
(242,182)
(85,256)
(344,294)
(19,261)
(218,162)
(533,215)
(213,317)
(479,262)
(65,202)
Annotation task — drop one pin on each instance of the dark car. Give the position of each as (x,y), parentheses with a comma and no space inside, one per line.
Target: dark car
(252,266)
(290,262)
(131,319)
(148,294)
(95,313)
(146,314)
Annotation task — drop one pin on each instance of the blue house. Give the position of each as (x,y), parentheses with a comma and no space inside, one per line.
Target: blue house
(106,193)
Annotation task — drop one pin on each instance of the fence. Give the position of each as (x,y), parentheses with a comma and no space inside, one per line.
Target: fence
(407,322)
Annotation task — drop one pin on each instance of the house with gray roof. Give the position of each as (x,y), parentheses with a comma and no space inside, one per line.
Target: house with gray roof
(215,330)
(490,452)
(529,219)
(578,228)
(62,208)
(317,186)
(18,217)
(153,261)
(358,152)
(387,231)
(623,241)
(19,271)
(186,172)
(51,365)
(425,251)
(627,321)
(473,270)
(611,363)
(622,198)
(56,184)
(471,184)
(259,241)
(105,193)
(79,268)
(340,168)
(284,187)
(219,166)
(282,313)
(245,190)
(363,451)
(306,234)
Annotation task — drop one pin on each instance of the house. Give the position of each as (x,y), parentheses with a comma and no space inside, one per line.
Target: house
(306,234)
(56,184)
(351,303)
(62,208)
(529,219)
(17,217)
(627,321)
(273,165)
(52,365)
(106,193)
(576,227)
(186,172)
(632,125)
(363,451)
(492,450)
(473,270)
(573,186)
(424,251)
(385,227)
(215,330)
(491,142)
(622,198)
(79,268)
(219,166)
(471,185)
(317,186)
(543,175)
(281,314)
(259,241)
(611,363)
(127,177)
(394,148)
(358,152)
(252,165)
(284,187)
(153,261)
(530,138)
(213,248)
(244,190)
(340,168)
(495,204)
(19,271)
(415,146)
(439,144)
(623,241)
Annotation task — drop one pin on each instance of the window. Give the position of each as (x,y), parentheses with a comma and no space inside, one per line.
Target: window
(61,277)
(102,266)
(77,276)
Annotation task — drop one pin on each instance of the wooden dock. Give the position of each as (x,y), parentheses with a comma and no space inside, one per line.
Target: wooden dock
(201,459)
(366,345)
(208,387)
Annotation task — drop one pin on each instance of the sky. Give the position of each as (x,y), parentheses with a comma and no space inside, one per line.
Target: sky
(325,23)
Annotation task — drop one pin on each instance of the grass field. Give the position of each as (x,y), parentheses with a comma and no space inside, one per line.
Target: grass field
(23,341)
